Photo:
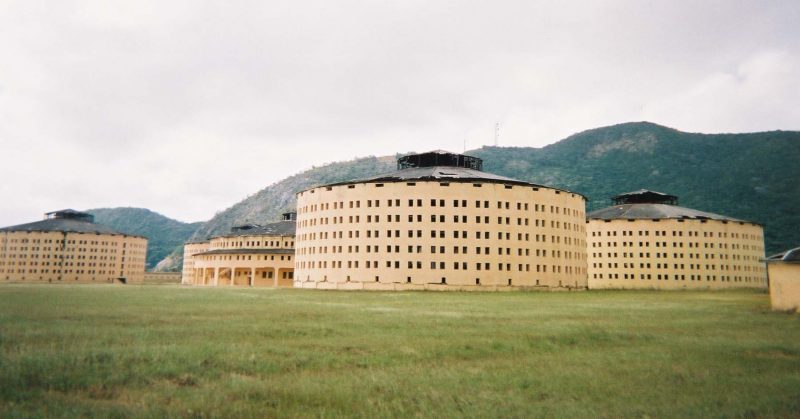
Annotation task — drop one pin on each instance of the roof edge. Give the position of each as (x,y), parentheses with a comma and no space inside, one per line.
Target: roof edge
(444,180)
(97,233)
(277,250)
(732,220)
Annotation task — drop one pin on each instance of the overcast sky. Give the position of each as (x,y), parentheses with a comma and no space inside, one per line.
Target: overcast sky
(187,107)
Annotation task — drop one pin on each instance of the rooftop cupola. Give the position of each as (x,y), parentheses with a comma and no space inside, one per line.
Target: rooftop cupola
(439,158)
(70,214)
(644,196)
(244,228)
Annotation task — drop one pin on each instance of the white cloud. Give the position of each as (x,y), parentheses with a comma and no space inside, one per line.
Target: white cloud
(760,94)
(187,107)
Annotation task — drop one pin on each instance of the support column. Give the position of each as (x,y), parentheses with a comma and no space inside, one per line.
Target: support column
(233,275)
(252,276)
(275,278)
(216,276)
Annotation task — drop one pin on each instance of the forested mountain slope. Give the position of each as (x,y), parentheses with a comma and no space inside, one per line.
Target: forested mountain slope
(750,176)
(164,234)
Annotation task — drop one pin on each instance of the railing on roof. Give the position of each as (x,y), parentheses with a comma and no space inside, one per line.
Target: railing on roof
(70,214)
(645,197)
(439,159)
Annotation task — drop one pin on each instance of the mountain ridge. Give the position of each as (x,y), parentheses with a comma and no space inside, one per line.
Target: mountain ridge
(742,175)
(163,234)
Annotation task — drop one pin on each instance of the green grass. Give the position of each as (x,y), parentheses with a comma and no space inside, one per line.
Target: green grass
(174,351)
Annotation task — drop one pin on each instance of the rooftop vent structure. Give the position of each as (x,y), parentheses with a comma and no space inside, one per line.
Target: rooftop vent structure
(644,196)
(244,228)
(439,158)
(70,214)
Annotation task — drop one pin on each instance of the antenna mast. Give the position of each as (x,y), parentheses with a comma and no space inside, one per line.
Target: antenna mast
(496,133)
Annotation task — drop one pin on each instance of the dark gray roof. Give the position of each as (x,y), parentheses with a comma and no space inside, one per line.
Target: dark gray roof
(644,196)
(281,228)
(439,158)
(248,251)
(439,173)
(66,213)
(791,256)
(655,212)
(443,174)
(66,225)
(643,192)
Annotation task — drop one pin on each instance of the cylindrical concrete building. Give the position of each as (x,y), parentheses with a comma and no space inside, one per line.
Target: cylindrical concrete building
(646,241)
(68,246)
(439,222)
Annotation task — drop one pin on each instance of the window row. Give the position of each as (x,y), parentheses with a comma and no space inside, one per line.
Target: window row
(440,265)
(731,246)
(439,218)
(659,255)
(679,233)
(681,277)
(441,234)
(645,265)
(479,250)
(441,203)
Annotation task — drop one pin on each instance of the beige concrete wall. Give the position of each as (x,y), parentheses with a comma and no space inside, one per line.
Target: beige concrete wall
(71,257)
(253,241)
(189,250)
(675,254)
(244,269)
(481,236)
(784,285)
(162,278)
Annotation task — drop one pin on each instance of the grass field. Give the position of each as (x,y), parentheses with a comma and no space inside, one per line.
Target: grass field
(175,351)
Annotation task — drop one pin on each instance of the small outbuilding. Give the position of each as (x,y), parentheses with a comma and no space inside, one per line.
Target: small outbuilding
(783,271)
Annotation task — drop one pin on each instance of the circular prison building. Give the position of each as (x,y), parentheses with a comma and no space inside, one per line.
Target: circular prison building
(439,222)
(645,240)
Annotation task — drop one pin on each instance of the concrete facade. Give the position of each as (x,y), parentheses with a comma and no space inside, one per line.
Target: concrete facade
(189,250)
(256,257)
(464,231)
(66,250)
(784,280)
(692,250)
(162,278)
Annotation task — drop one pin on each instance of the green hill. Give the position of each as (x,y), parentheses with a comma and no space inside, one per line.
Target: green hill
(268,204)
(749,176)
(163,234)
